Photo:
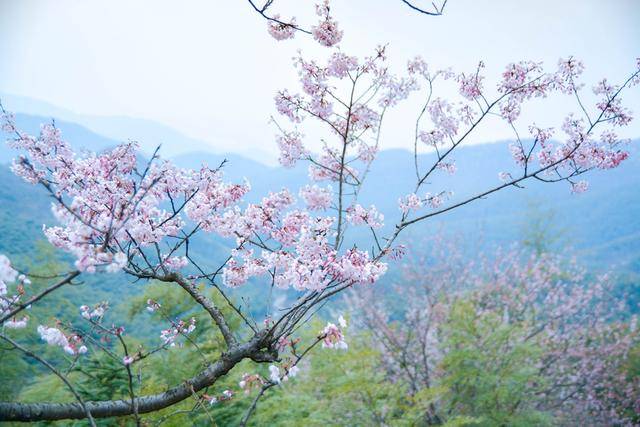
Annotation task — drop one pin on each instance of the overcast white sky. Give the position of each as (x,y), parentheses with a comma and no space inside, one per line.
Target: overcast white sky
(210,70)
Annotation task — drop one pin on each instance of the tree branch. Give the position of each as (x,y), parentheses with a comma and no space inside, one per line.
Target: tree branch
(41,295)
(28,412)
(82,407)
(437,11)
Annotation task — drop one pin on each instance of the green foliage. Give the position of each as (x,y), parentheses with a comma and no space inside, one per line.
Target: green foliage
(13,368)
(102,378)
(489,369)
(631,368)
(540,230)
(171,367)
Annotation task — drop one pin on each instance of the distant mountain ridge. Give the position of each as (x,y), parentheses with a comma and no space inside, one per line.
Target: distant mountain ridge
(148,133)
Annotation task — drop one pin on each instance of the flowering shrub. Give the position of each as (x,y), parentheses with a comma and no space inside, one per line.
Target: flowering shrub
(508,341)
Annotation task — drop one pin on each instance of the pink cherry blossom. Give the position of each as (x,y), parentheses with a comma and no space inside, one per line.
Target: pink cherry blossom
(504,176)
(153,306)
(340,65)
(569,70)
(449,167)
(357,215)
(410,202)
(326,32)
(7,273)
(16,323)
(175,263)
(281,31)
(442,116)
(53,336)
(518,154)
(471,84)
(96,312)
(333,338)
(178,328)
(317,198)
(579,187)
(291,148)
(289,105)
(274,374)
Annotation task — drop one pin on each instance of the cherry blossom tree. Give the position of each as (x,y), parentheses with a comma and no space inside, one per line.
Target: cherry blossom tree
(121,211)
(533,325)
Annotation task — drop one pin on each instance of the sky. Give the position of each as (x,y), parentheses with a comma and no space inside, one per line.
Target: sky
(210,70)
